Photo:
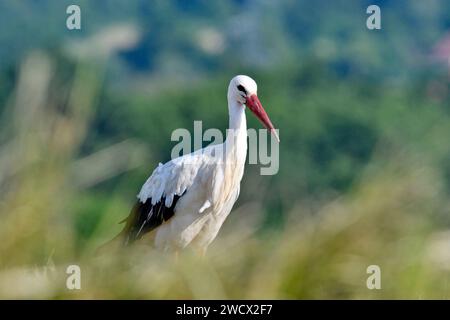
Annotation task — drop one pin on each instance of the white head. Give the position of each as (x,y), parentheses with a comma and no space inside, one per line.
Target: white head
(240,87)
(243,90)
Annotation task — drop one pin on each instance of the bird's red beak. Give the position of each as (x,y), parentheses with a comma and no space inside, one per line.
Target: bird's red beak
(256,107)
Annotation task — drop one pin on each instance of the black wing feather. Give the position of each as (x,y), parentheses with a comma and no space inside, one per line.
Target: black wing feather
(145,217)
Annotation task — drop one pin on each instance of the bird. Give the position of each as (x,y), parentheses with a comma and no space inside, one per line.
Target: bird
(185,201)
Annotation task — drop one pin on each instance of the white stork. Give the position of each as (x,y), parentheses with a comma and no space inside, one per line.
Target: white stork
(186,200)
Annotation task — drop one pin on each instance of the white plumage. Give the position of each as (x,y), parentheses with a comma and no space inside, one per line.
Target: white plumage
(186,200)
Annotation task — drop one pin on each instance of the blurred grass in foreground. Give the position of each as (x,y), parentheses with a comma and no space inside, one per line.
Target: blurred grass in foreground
(387,218)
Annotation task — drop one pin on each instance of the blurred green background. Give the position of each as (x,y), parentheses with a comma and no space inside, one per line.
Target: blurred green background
(364,119)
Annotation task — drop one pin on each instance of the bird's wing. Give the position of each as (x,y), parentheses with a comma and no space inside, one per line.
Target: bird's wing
(160,193)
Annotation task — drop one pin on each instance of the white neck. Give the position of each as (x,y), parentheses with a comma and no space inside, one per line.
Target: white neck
(236,141)
(237,116)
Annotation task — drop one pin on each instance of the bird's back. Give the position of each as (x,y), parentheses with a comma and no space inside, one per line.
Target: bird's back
(182,186)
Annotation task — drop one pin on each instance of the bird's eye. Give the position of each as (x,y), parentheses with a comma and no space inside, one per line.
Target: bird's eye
(241,88)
